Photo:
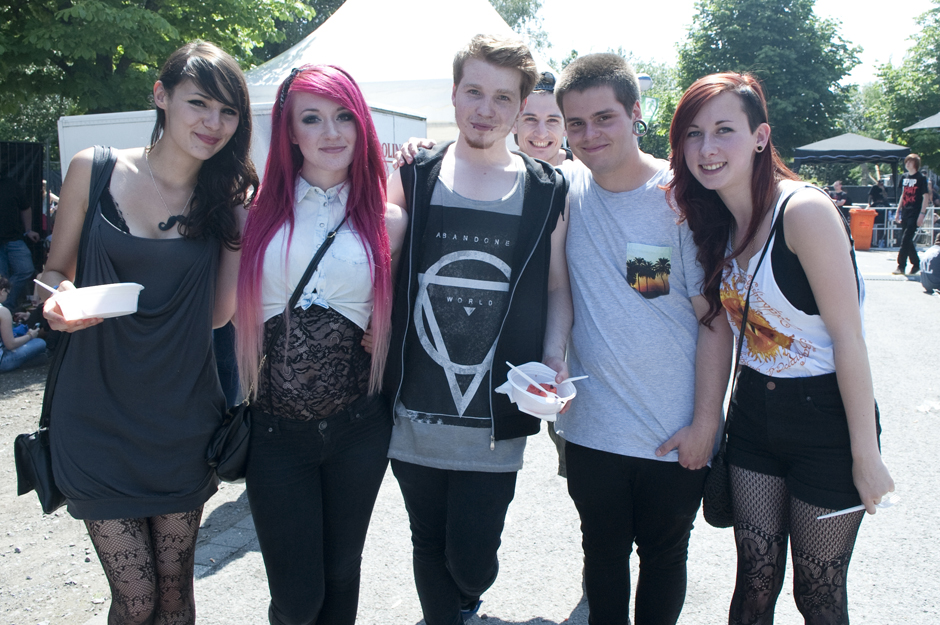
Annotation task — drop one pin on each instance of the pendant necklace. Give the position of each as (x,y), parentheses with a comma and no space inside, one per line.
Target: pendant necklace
(172,219)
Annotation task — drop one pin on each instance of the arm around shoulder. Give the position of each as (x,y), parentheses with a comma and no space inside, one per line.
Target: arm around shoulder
(396,223)
(395,191)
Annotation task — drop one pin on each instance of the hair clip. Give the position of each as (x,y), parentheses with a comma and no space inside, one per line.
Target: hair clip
(286,87)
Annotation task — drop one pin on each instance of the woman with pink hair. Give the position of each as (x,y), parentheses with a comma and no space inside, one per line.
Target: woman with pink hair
(320,429)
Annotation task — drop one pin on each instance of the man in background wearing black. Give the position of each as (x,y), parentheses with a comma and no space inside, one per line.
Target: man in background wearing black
(16,261)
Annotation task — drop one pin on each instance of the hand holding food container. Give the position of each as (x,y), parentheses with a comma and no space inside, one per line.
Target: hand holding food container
(533,389)
(88,305)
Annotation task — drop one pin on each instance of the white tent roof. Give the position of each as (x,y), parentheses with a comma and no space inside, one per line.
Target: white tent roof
(401,53)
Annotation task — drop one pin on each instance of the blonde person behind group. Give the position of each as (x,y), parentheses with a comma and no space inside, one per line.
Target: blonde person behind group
(137,397)
(803,434)
(319,438)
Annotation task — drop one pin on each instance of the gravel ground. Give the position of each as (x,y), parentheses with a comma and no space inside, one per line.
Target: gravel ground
(45,578)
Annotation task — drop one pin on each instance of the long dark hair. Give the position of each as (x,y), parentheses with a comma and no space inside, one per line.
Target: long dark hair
(228,178)
(709,219)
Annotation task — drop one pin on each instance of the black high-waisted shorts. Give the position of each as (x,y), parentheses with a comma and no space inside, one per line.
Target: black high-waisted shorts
(794,428)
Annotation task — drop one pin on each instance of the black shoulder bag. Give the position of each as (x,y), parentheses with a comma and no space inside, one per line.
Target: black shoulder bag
(228,450)
(716,498)
(31,451)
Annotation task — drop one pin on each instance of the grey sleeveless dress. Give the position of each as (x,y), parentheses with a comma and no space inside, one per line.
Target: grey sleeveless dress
(138,397)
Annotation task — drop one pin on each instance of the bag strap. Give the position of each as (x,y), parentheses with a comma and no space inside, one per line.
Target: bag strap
(298,291)
(747,303)
(101,168)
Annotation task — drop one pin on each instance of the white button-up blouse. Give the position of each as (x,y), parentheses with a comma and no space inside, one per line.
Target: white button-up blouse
(343,279)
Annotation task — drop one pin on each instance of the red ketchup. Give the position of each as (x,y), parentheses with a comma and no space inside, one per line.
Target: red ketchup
(535,390)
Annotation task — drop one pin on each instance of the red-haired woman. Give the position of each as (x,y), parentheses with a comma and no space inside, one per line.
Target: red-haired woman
(803,437)
(320,433)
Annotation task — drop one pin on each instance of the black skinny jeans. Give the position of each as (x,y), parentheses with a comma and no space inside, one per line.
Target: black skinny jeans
(624,500)
(908,251)
(456,523)
(312,486)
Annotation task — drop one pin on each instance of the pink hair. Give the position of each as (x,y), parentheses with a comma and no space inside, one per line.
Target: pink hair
(274,205)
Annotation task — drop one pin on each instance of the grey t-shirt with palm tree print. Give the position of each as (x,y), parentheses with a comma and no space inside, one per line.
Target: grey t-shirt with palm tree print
(633,271)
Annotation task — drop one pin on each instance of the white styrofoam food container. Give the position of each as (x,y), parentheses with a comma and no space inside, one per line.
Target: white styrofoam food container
(546,408)
(101,301)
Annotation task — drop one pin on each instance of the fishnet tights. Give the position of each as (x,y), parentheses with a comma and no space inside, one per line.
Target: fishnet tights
(765,515)
(149,566)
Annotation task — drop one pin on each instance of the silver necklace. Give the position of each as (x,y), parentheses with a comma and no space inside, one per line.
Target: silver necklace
(172,219)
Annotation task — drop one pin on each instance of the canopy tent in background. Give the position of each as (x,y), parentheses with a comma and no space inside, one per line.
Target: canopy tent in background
(851,148)
(931,122)
(400,53)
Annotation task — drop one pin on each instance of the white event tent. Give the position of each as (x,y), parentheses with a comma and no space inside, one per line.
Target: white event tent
(400,53)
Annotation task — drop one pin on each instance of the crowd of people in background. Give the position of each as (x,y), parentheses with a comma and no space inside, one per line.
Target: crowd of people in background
(376,318)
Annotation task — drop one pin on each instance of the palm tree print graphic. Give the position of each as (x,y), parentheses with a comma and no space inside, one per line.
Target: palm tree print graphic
(648,269)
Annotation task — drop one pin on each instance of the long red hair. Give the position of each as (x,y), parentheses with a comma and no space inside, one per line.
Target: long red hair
(709,219)
(274,206)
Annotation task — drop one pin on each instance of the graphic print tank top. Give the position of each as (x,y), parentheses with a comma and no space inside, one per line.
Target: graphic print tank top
(781,339)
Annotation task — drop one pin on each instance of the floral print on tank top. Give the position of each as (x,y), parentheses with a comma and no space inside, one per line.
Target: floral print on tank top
(773,342)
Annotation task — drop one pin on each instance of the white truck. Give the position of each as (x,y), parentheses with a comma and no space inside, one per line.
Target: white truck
(131,129)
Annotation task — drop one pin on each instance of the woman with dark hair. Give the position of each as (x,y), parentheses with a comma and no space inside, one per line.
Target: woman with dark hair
(320,430)
(803,434)
(137,397)
(16,351)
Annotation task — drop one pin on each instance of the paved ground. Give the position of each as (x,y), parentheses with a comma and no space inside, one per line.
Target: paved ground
(893,577)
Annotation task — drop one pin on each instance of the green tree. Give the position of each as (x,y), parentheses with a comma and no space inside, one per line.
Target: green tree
(296,30)
(104,54)
(666,89)
(912,90)
(36,120)
(522,17)
(799,57)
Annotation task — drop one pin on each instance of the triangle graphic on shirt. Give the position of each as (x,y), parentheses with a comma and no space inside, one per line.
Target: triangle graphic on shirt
(469,309)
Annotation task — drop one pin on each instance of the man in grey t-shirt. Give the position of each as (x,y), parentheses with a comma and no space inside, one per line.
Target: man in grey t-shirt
(644,424)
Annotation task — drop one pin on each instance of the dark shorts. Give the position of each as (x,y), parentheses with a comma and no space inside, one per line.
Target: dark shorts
(794,428)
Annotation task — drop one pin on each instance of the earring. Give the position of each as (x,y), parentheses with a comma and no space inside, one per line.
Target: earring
(760,148)
(640,128)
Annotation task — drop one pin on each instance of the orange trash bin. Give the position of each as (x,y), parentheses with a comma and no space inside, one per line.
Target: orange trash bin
(862,221)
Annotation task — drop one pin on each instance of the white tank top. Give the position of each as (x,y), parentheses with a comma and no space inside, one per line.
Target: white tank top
(343,279)
(781,339)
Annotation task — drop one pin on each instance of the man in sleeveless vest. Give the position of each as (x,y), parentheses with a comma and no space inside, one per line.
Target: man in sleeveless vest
(481,262)
(645,423)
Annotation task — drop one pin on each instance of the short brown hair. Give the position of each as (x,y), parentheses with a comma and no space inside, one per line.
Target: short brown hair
(503,52)
(600,70)
(913,157)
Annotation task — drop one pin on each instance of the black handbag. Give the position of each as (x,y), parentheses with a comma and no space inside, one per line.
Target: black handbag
(716,497)
(31,452)
(228,450)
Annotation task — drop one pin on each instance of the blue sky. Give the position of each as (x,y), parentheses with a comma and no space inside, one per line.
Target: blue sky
(650,30)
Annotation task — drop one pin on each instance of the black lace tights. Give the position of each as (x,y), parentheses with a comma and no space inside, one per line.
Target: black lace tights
(149,565)
(765,516)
